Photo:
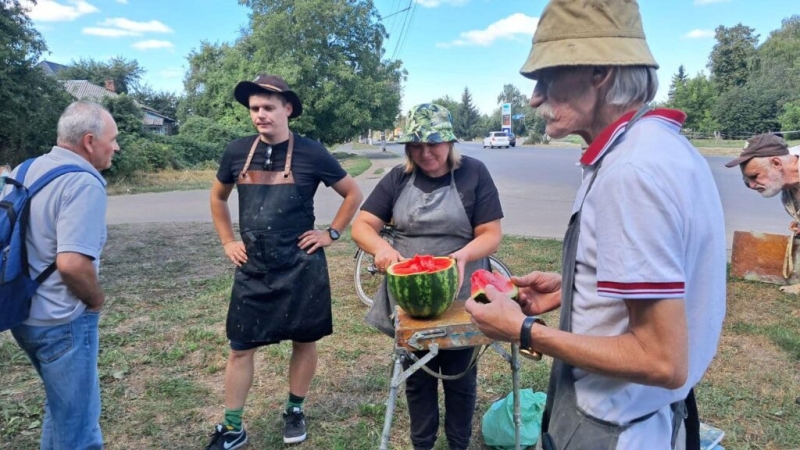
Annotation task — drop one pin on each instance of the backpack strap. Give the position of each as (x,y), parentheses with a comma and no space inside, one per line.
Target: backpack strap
(37,186)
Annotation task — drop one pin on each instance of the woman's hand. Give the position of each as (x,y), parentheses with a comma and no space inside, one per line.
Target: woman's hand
(462,258)
(387,256)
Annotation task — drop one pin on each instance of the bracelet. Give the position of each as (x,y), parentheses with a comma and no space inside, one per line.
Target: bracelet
(525,332)
(226,243)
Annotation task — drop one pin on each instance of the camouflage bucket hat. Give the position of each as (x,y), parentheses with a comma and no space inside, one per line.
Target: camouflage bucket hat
(429,123)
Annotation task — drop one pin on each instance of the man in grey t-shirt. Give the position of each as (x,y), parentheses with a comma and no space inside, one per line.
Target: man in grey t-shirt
(67,225)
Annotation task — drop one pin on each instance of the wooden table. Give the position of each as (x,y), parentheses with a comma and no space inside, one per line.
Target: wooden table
(451,330)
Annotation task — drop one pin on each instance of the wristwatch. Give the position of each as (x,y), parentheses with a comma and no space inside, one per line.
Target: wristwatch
(333,233)
(525,338)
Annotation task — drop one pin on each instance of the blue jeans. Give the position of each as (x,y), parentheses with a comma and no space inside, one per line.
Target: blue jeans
(65,356)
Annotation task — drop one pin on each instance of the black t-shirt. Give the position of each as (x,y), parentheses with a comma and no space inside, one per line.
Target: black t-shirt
(473,182)
(311,163)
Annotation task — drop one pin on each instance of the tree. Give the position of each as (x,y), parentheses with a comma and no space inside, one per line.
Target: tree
(746,110)
(466,118)
(790,116)
(519,104)
(448,103)
(162,101)
(696,97)
(729,59)
(125,74)
(678,80)
(30,101)
(329,51)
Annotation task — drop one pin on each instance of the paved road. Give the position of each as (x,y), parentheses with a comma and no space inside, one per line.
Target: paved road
(536,185)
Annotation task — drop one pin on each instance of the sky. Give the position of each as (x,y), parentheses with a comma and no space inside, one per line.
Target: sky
(445,45)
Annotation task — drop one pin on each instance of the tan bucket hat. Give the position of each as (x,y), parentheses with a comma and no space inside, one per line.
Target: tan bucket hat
(588,33)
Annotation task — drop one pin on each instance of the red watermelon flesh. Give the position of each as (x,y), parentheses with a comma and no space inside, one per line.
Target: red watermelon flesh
(421,264)
(482,278)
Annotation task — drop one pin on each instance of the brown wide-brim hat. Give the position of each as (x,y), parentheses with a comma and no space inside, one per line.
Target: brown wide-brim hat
(760,146)
(588,33)
(268,84)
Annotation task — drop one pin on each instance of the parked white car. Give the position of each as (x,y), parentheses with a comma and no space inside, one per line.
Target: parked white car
(496,139)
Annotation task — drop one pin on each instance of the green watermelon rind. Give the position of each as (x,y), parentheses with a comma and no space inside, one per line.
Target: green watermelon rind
(415,293)
(479,294)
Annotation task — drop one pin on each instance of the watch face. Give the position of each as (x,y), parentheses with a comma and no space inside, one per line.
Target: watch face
(333,233)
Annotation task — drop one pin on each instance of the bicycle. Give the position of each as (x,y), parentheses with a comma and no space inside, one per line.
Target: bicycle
(368,277)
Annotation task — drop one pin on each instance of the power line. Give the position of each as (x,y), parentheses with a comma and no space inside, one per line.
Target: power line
(402,31)
(408,30)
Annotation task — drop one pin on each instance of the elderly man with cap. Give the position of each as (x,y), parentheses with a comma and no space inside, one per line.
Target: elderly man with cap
(770,167)
(281,289)
(642,288)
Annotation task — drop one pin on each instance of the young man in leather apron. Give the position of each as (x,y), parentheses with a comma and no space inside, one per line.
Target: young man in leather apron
(281,289)
(642,288)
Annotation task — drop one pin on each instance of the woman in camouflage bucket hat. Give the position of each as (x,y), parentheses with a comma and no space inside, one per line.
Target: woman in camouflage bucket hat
(442,204)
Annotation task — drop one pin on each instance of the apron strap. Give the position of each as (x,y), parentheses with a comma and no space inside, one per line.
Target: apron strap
(287,167)
(243,174)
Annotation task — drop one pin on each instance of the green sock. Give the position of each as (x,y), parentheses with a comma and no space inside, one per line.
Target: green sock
(233,418)
(294,401)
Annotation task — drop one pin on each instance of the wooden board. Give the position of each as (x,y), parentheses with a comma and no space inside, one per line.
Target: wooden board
(454,326)
(759,257)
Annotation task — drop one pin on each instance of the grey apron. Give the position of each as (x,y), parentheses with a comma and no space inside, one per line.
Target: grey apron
(426,224)
(564,424)
(281,292)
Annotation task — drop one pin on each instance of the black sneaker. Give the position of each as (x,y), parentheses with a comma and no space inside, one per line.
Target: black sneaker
(294,426)
(226,438)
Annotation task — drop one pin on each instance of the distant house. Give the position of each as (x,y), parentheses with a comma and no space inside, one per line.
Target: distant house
(51,68)
(152,120)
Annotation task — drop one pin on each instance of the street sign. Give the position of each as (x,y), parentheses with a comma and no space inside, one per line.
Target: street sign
(518,116)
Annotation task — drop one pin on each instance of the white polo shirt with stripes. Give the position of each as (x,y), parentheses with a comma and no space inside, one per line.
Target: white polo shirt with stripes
(651,228)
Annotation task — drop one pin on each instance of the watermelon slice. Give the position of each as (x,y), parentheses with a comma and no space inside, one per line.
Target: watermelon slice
(482,278)
(424,286)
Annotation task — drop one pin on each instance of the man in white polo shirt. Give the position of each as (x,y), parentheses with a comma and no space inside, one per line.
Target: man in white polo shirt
(642,289)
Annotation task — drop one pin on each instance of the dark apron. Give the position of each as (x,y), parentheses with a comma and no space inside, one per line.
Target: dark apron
(564,424)
(281,292)
(426,224)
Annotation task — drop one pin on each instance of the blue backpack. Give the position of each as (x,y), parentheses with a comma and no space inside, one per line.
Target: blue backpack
(16,286)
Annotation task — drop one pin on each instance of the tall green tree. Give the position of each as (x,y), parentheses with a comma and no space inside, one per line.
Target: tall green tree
(467,117)
(329,51)
(678,80)
(747,110)
(696,97)
(731,55)
(30,101)
(126,74)
(519,105)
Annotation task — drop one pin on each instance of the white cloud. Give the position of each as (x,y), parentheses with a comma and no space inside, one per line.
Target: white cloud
(124,2)
(108,32)
(151,44)
(708,2)
(699,34)
(435,3)
(515,25)
(153,26)
(52,11)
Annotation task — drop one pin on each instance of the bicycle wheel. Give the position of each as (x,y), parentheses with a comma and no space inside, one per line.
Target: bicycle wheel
(367,277)
(497,266)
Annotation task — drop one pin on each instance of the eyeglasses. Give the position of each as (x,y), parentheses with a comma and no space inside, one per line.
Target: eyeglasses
(268,158)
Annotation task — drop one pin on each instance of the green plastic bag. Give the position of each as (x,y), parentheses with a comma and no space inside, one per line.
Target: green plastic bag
(498,422)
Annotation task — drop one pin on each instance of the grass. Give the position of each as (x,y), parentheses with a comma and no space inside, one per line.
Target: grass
(163,355)
(184,180)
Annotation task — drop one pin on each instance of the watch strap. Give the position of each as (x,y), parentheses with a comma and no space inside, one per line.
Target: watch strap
(525,332)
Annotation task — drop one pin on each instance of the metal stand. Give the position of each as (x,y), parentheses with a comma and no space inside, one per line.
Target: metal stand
(399,376)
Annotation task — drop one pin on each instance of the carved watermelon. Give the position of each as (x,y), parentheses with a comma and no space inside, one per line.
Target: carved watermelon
(482,278)
(424,286)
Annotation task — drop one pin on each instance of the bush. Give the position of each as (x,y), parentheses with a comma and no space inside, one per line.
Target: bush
(207,131)
(141,154)
(192,152)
